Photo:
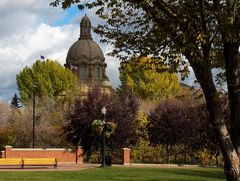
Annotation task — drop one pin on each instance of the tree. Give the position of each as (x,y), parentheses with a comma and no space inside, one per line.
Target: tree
(5,138)
(48,124)
(206,33)
(166,124)
(45,78)
(182,125)
(15,101)
(4,113)
(80,117)
(148,79)
(196,133)
(121,110)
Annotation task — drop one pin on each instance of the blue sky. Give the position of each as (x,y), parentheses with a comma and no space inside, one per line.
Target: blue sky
(67,16)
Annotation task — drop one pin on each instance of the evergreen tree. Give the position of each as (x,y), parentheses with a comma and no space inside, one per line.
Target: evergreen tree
(15,101)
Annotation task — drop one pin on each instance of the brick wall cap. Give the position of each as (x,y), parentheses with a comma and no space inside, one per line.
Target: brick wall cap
(41,149)
(8,146)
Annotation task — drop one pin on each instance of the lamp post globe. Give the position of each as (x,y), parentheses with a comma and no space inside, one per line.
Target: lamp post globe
(104,110)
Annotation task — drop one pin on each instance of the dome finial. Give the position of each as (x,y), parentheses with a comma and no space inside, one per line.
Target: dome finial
(85,28)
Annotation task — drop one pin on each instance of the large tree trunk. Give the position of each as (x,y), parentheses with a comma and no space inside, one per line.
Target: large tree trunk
(231,161)
(229,26)
(230,38)
(232,62)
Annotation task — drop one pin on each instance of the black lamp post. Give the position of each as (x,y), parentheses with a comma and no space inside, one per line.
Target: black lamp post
(34,119)
(34,114)
(103,111)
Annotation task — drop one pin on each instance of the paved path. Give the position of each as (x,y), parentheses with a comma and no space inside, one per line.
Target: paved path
(82,166)
(60,167)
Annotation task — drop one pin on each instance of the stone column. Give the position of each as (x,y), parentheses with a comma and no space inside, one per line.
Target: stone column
(126,156)
(8,150)
(3,154)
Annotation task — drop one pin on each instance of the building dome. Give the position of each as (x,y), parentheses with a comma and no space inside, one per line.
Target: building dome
(86,58)
(84,51)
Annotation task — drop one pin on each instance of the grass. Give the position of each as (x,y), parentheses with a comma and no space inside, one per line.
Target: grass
(121,174)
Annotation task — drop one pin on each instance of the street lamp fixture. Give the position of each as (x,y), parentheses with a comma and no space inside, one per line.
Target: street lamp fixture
(103,111)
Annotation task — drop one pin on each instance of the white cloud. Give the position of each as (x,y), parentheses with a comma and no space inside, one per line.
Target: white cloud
(17,16)
(23,37)
(112,70)
(26,33)
(18,51)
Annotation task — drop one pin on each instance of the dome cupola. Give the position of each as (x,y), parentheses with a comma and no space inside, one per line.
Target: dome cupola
(85,28)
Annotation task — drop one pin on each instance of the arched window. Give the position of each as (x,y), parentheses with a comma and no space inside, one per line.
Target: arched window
(83,71)
(98,73)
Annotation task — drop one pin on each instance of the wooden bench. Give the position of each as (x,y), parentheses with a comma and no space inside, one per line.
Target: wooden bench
(11,161)
(29,161)
(39,161)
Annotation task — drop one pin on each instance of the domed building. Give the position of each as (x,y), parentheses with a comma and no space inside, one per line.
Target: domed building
(86,59)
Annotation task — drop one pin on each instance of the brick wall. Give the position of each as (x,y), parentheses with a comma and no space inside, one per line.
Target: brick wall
(62,155)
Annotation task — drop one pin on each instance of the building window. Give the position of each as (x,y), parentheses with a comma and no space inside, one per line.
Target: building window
(83,71)
(98,73)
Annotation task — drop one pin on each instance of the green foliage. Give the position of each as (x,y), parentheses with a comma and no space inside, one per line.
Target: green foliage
(5,138)
(97,126)
(45,78)
(108,127)
(141,126)
(143,152)
(149,79)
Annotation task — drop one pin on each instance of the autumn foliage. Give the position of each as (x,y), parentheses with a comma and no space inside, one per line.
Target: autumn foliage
(121,108)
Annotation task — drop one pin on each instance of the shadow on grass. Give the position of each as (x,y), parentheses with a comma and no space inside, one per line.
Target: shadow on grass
(209,173)
(165,174)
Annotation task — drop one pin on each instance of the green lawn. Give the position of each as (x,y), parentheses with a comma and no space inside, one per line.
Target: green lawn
(119,174)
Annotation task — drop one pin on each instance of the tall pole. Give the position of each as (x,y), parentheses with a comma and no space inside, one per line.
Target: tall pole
(103,111)
(103,142)
(34,117)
